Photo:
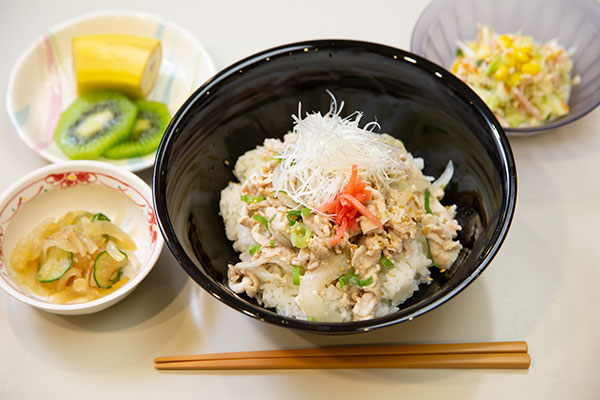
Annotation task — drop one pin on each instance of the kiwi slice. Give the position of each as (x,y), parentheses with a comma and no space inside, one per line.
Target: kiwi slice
(93,123)
(152,120)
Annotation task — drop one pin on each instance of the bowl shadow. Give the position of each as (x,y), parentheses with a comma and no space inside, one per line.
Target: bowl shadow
(64,341)
(467,317)
(149,299)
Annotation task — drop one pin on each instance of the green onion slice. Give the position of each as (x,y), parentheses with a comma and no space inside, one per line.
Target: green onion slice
(386,262)
(251,199)
(296,275)
(261,219)
(365,282)
(343,281)
(300,235)
(352,279)
(253,249)
(430,256)
(427,196)
(292,216)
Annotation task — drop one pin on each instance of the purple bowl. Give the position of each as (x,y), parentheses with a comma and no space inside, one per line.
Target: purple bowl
(575,24)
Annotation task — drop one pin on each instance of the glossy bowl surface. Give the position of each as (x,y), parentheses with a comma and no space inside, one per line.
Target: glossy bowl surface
(54,190)
(575,24)
(435,114)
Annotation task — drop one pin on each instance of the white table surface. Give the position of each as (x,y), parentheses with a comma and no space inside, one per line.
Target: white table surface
(542,287)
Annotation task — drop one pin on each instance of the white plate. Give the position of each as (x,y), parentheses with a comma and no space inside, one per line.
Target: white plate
(42,83)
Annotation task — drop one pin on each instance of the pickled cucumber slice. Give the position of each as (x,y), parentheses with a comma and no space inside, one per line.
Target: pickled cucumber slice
(54,264)
(100,217)
(152,120)
(93,123)
(107,270)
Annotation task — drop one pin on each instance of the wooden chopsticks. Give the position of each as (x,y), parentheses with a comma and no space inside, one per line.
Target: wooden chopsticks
(511,355)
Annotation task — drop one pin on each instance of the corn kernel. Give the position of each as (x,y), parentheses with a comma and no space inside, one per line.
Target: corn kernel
(501,73)
(514,79)
(523,47)
(455,67)
(512,60)
(505,40)
(522,56)
(530,68)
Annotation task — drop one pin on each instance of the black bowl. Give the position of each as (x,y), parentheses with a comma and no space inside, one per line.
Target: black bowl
(436,115)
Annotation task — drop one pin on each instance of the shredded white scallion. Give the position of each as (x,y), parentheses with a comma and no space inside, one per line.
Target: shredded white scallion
(315,167)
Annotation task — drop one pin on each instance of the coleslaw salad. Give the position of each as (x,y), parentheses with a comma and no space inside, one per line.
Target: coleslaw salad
(524,83)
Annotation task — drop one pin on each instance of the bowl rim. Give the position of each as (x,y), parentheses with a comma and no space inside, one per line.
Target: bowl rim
(144,161)
(224,294)
(92,166)
(512,131)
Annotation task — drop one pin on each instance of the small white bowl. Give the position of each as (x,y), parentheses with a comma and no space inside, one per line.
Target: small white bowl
(42,83)
(91,186)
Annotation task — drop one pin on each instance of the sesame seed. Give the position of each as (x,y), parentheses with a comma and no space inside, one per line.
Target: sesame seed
(226,162)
